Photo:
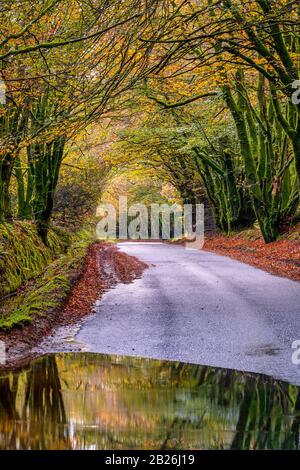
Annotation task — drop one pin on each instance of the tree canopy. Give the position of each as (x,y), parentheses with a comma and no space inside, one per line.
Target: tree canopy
(202,94)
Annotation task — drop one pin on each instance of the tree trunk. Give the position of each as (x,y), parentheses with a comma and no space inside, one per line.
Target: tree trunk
(5,200)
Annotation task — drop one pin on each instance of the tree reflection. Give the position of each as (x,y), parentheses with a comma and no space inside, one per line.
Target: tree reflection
(263,421)
(9,414)
(43,409)
(81,401)
(264,405)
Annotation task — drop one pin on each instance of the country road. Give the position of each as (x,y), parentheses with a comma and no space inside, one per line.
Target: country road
(195,306)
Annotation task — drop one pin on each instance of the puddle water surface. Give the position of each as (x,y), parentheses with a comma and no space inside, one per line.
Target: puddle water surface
(94,401)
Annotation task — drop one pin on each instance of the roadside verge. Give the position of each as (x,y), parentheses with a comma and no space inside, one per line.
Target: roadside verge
(63,294)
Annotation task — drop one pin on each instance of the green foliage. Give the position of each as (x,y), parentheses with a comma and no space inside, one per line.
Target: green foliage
(23,255)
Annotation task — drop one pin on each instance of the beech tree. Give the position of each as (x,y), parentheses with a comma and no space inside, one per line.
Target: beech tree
(248,56)
(74,73)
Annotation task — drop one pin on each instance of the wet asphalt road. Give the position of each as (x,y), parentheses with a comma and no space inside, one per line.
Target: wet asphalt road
(198,307)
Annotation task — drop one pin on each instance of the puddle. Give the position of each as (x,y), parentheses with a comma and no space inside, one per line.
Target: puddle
(94,401)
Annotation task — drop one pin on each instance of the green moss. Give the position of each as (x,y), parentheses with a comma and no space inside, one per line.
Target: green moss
(23,255)
(35,302)
(50,290)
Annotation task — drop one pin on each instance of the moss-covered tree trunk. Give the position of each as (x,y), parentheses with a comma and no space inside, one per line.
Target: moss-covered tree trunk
(269,174)
(45,162)
(13,123)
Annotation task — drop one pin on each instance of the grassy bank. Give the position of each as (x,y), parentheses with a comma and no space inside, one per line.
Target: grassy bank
(23,255)
(50,281)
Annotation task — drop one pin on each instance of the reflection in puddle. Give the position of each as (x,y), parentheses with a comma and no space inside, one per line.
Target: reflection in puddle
(92,401)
